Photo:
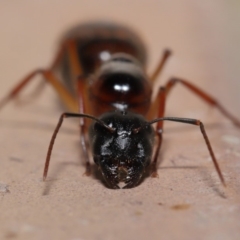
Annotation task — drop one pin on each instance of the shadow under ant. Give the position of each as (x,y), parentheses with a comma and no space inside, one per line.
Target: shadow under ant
(13,123)
(96,173)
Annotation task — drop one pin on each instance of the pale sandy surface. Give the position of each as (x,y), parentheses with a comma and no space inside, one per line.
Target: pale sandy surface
(187,200)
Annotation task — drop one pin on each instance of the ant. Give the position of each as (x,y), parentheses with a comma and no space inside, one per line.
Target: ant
(102,67)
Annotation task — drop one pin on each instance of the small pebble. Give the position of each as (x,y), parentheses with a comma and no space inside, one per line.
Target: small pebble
(4,188)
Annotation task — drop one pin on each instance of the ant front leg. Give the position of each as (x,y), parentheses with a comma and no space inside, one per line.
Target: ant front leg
(200,124)
(49,77)
(161,98)
(60,121)
(83,124)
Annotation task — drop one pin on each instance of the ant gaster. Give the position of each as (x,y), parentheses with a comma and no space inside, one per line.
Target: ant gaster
(102,68)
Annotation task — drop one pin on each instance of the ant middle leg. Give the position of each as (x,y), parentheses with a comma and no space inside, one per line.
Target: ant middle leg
(60,121)
(83,123)
(48,76)
(161,98)
(160,66)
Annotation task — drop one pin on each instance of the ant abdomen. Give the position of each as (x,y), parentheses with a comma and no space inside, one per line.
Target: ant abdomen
(96,42)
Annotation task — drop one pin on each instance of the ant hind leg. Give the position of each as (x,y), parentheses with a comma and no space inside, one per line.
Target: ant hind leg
(203,95)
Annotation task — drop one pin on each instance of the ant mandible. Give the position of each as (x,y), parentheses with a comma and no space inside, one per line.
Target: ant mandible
(102,67)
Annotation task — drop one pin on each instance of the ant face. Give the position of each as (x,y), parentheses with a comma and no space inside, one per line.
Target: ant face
(122,155)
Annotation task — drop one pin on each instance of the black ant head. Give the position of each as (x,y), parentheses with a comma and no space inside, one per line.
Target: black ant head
(124,149)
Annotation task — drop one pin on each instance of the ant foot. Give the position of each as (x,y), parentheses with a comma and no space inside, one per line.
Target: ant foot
(154,174)
(87,173)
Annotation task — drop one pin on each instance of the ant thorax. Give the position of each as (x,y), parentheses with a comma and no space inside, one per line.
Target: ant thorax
(120,84)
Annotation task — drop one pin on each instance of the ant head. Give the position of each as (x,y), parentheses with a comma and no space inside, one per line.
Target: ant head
(123,154)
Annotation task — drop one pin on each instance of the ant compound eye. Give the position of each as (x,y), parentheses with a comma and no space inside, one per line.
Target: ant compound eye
(105,127)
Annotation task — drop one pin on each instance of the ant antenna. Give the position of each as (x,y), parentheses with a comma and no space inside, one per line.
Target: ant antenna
(193,122)
(66,115)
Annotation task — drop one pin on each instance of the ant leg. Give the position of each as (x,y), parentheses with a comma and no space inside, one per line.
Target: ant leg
(160,65)
(60,121)
(200,124)
(204,96)
(161,98)
(59,56)
(22,100)
(83,129)
(69,47)
(79,82)
(65,96)
(64,47)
